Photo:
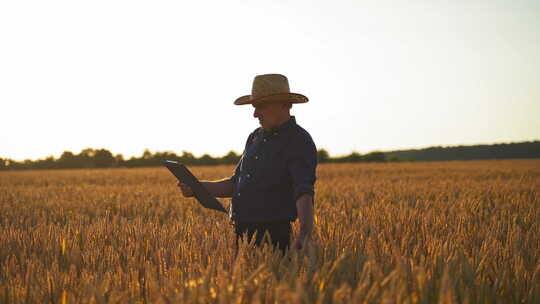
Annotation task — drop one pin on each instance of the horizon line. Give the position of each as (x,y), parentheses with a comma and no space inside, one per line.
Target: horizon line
(318,149)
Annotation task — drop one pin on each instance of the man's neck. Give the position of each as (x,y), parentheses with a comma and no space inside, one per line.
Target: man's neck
(280,122)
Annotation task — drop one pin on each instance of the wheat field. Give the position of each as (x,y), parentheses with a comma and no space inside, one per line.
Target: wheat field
(439,232)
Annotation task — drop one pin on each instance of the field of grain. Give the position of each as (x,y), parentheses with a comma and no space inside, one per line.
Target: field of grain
(441,232)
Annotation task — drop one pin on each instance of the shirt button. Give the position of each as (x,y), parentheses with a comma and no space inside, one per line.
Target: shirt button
(256,157)
(248,176)
(264,140)
(238,193)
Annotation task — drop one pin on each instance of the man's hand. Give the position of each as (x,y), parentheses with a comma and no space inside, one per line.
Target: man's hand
(186,190)
(219,188)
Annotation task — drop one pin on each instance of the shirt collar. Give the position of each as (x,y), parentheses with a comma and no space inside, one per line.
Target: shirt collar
(281,128)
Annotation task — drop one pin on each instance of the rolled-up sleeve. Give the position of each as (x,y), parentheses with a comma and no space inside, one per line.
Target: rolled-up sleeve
(234,178)
(302,166)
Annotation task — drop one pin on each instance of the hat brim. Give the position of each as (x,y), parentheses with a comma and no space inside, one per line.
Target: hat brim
(274,98)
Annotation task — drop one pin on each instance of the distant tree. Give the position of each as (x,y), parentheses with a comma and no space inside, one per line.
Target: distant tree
(119,160)
(67,160)
(354,157)
(351,158)
(375,157)
(87,152)
(230,158)
(206,160)
(187,158)
(14,165)
(85,159)
(103,159)
(159,157)
(133,162)
(48,163)
(323,156)
(147,154)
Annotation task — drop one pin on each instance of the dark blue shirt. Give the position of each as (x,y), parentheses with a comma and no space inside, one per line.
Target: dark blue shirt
(276,168)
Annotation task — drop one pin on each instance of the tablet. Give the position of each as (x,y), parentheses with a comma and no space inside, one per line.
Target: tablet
(202,195)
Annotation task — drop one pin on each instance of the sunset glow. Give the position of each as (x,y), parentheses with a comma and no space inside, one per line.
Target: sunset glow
(380,75)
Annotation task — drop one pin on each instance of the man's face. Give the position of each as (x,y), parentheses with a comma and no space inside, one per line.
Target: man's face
(271,115)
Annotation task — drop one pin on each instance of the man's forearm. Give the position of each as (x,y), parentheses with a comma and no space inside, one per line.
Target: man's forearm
(304,208)
(220,188)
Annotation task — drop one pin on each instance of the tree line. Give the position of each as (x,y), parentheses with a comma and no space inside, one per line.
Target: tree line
(103,158)
(528,149)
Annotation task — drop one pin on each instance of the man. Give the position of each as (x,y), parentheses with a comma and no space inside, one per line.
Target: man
(273,183)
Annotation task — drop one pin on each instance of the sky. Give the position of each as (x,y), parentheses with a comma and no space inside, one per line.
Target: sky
(163,75)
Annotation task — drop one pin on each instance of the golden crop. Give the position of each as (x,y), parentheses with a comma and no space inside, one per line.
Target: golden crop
(441,232)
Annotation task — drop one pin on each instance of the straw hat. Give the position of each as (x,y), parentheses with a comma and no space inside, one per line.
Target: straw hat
(270,88)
